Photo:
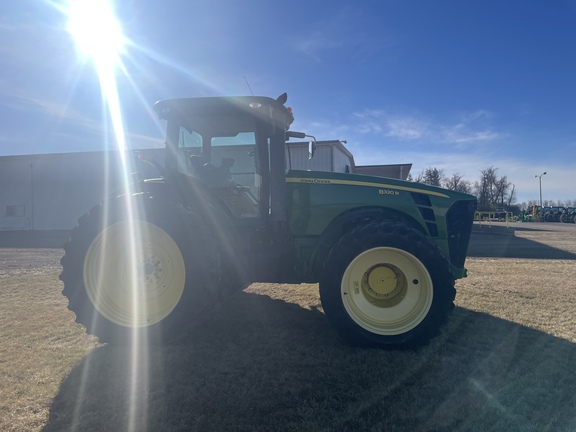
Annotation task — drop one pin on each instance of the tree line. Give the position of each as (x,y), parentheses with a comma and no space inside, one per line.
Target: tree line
(492,190)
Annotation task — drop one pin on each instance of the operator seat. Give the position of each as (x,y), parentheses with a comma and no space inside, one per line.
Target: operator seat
(211,175)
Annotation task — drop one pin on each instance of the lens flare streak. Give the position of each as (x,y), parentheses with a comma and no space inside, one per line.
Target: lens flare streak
(98,35)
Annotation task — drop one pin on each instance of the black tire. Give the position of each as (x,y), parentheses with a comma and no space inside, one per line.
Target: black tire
(367,276)
(173,273)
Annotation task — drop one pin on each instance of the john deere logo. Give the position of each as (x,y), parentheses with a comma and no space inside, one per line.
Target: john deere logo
(314,180)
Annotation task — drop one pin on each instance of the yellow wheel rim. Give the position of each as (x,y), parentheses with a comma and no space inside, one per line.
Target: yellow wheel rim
(387,291)
(134,273)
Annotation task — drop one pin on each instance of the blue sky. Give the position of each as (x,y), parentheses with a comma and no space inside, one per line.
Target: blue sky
(455,84)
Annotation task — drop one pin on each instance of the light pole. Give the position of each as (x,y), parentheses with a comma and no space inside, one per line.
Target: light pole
(540,179)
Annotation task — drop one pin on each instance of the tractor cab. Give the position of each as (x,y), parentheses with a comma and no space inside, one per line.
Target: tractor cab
(233,146)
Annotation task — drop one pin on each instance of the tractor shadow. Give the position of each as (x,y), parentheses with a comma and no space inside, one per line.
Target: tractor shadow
(498,245)
(260,364)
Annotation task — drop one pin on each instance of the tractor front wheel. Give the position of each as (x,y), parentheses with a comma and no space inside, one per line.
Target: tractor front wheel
(386,285)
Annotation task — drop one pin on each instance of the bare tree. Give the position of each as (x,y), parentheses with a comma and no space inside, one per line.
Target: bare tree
(484,188)
(512,196)
(500,190)
(433,176)
(493,191)
(458,184)
(418,179)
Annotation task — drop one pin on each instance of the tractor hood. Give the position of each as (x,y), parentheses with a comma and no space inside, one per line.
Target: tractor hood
(318,198)
(380,185)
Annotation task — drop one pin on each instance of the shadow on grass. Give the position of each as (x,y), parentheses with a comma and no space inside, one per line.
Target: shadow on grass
(509,246)
(260,364)
(40,239)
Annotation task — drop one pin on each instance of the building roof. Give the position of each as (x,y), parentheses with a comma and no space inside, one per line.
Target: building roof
(330,143)
(398,171)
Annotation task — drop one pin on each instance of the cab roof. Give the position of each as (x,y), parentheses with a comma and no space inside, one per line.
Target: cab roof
(213,106)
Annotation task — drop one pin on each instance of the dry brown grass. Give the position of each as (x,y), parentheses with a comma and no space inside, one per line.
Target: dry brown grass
(535,293)
(39,345)
(268,361)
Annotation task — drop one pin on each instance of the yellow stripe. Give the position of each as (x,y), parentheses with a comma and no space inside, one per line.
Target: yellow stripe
(314,180)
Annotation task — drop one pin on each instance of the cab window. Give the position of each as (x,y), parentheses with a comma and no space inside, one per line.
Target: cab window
(227,164)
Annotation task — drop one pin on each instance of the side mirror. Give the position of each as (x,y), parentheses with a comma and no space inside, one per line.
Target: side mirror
(301,135)
(293,134)
(311,148)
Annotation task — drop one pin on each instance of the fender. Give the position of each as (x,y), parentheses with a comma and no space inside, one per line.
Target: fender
(346,222)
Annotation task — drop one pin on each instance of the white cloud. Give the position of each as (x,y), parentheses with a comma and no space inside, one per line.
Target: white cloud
(322,129)
(326,35)
(401,126)
(315,43)
(343,30)
(58,111)
(406,128)
(470,128)
(466,145)
(458,135)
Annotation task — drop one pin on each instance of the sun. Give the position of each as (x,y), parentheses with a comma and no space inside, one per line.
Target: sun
(96,31)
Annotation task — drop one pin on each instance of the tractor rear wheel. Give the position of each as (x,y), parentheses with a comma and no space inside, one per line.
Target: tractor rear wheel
(139,268)
(387,285)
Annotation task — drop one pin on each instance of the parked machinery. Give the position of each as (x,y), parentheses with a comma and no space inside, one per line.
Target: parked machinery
(224,212)
(568,215)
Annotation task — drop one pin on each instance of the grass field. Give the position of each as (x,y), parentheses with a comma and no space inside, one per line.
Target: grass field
(268,361)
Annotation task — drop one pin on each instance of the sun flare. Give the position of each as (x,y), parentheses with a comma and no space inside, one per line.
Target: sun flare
(96,30)
(98,35)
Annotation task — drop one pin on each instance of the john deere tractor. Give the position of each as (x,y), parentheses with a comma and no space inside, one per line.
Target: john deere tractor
(226,211)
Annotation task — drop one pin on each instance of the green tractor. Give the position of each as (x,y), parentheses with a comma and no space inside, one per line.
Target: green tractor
(568,215)
(225,211)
